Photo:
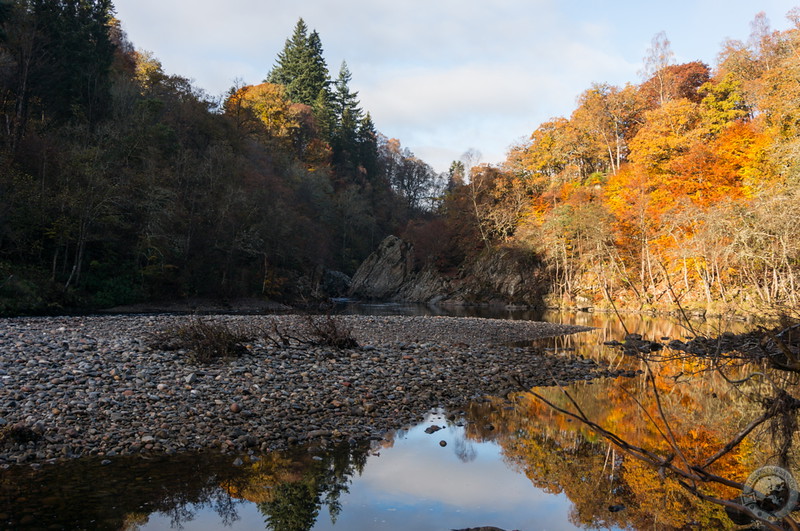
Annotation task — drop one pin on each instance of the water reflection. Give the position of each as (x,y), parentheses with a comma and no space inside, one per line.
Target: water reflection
(417,483)
(413,480)
(291,490)
(607,487)
(512,463)
(698,408)
(86,494)
(345,306)
(288,489)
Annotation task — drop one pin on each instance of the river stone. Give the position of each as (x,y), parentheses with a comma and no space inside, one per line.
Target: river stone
(271,397)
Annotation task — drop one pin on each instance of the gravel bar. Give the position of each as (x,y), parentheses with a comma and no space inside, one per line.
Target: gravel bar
(95,386)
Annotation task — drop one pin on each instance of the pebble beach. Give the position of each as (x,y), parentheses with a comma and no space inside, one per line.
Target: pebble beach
(97,386)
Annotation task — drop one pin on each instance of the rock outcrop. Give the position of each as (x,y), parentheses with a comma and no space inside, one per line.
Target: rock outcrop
(384,272)
(335,283)
(506,275)
(502,275)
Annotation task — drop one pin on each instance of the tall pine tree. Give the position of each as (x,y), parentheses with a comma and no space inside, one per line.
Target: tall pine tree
(347,115)
(63,54)
(368,146)
(343,99)
(301,67)
(323,115)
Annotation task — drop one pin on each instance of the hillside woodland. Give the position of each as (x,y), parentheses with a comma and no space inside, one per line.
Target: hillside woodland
(683,189)
(120,182)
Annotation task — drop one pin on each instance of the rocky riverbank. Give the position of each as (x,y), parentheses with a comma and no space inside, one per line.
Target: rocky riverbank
(96,386)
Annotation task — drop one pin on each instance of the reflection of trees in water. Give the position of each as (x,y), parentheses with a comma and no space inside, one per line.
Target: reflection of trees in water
(294,508)
(464,449)
(559,454)
(85,494)
(608,328)
(294,503)
(702,417)
(225,507)
(289,488)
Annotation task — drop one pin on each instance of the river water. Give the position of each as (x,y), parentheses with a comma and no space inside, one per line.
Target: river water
(508,462)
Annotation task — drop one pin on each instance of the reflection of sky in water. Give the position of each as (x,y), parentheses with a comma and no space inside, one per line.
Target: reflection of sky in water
(416,484)
(419,485)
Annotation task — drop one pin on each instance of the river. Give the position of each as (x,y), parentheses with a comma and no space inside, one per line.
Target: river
(508,462)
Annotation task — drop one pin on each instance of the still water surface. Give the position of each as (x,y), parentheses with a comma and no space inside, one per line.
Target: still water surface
(509,463)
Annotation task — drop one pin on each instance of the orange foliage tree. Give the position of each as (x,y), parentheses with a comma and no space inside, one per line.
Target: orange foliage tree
(678,170)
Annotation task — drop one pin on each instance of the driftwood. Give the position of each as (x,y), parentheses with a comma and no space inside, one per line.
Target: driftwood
(779,347)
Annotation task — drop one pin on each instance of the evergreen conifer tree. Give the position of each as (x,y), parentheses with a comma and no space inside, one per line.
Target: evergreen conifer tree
(347,115)
(368,146)
(300,67)
(77,52)
(343,99)
(323,115)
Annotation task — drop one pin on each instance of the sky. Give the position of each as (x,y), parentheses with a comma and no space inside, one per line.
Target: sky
(444,76)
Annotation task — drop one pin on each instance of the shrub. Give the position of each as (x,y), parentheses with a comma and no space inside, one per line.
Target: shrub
(315,330)
(206,341)
(18,433)
(330,332)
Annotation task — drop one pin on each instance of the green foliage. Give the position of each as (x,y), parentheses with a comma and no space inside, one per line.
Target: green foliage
(300,67)
(295,504)
(295,507)
(18,295)
(140,189)
(72,56)
(723,103)
(108,287)
(28,290)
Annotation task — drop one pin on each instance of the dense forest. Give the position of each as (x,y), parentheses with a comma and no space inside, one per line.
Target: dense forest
(681,190)
(120,182)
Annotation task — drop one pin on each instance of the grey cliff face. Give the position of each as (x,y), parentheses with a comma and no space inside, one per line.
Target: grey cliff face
(384,272)
(500,276)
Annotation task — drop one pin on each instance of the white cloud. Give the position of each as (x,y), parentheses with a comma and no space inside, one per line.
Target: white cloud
(442,75)
(419,469)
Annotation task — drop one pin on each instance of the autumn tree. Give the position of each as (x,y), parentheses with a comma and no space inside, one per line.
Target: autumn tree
(675,169)
(545,156)
(610,116)
(675,82)
(264,110)
(659,57)
(409,176)
(723,102)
